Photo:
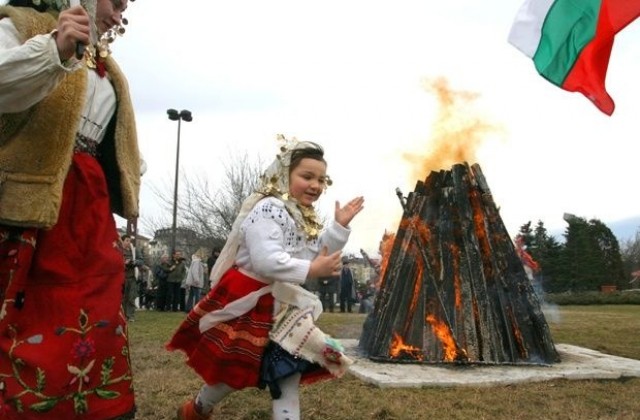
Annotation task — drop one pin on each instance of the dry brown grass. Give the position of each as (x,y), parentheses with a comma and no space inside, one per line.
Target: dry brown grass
(163,381)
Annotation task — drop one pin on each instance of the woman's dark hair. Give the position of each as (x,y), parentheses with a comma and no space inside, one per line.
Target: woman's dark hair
(315,152)
(28,3)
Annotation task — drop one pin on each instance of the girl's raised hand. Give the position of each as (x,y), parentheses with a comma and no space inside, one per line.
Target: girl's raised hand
(325,264)
(345,214)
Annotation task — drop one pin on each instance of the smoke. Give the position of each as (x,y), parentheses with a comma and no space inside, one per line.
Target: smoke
(457,133)
(551,312)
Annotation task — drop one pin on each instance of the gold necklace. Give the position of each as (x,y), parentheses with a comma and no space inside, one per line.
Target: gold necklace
(311,225)
(93,54)
(96,53)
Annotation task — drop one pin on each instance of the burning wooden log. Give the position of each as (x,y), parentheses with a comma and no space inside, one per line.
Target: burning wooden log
(453,288)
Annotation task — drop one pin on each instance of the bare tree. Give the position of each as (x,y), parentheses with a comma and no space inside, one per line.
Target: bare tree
(630,250)
(208,207)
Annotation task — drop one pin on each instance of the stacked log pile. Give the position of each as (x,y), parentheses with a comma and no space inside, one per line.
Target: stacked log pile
(453,289)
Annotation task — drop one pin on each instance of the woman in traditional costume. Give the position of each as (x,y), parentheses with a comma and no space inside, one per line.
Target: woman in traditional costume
(68,159)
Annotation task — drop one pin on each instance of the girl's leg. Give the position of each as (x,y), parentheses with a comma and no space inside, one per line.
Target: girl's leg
(287,407)
(201,407)
(210,395)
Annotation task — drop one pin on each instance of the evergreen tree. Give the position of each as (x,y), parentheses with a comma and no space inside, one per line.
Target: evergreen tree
(576,266)
(609,249)
(545,249)
(590,257)
(526,232)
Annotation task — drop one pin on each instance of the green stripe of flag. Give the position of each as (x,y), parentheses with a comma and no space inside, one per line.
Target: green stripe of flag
(569,26)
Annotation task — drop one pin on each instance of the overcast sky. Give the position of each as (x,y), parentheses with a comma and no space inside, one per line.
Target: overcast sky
(354,76)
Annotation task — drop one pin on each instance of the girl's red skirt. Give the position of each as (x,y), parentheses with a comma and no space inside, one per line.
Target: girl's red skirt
(231,352)
(64,351)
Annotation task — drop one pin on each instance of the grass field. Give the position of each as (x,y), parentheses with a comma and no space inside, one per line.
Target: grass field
(163,381)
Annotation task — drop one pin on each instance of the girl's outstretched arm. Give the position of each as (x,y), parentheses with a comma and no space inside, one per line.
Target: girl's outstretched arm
(344,215)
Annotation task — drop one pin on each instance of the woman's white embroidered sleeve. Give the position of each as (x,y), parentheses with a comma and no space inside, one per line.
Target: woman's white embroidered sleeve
(30,71)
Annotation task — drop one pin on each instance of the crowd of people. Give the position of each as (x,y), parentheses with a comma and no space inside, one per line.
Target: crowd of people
(150,289)
(173,284)
(346,291)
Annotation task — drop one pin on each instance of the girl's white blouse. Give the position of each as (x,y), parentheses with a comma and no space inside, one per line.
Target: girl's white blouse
(273,247)
(274,251)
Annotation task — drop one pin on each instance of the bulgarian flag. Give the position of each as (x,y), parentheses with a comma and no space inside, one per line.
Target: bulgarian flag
(570,41)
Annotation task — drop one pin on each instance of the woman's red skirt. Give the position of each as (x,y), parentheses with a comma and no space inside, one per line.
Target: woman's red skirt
(64,351)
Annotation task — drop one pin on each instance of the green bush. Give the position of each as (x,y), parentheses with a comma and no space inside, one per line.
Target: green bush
(628,297)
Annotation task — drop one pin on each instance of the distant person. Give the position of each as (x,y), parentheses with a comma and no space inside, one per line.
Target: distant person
(231,338)
(368,298)
(211,261)
(182,303)
(195,280)
(132,264)
(177,274)
(347,288)
(69,160)
(161,273)
(145,288)
(327,290)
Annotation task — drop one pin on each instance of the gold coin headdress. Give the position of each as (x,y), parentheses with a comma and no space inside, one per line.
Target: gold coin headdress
(275,182)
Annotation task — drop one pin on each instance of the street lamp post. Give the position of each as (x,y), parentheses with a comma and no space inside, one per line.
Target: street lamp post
(174,115)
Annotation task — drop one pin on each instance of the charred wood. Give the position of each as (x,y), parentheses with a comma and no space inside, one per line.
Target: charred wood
(454,289)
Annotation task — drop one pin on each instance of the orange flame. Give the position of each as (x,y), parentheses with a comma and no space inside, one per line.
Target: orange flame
(442,331)
(457,132)
(425,235)
(398,347)
(518,335)
(386,245)
(481,232)
(520,341)
(417,286)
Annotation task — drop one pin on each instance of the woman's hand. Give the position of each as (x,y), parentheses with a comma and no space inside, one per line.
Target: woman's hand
(345,214)
(73,27)
(325,264)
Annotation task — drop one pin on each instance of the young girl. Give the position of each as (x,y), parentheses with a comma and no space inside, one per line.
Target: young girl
(256,325)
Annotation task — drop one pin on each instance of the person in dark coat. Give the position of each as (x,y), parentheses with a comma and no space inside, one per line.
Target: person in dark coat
(211,261)
(327,289)
(161,273)
(177,273)
(347,288)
